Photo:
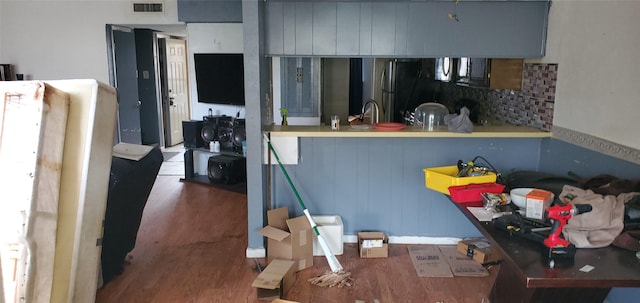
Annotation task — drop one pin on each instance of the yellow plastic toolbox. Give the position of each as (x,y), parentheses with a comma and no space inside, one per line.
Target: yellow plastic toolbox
(440,178)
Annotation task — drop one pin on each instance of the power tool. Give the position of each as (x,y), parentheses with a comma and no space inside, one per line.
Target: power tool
(555,247)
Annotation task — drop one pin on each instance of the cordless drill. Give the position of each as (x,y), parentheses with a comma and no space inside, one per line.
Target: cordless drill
(556,247)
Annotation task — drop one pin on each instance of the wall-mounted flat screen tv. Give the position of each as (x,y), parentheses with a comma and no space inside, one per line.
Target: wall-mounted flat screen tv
(220,78)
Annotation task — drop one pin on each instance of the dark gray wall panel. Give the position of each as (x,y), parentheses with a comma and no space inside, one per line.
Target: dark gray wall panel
(378,183)
(304,28)
(274,28)
(348,21)
(383,28)
(504,29)
(256,86)
(324,28)
(497,29)
(401,18)
(366,26)
(210,11)
(147,92)
(289,31)
(416,34)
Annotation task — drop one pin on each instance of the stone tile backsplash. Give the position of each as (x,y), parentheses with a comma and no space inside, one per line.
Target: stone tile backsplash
(531,106)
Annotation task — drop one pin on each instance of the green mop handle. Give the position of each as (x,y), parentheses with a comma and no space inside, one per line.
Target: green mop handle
(295,191)
(286,175)
(331,258)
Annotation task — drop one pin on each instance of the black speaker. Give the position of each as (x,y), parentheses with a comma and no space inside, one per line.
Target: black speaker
(209,132)
(188,165)
(191,133)
(225,136)
(226,169)
(239,134)
(210,127)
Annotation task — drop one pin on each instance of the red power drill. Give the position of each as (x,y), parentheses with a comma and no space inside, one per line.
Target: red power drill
(556,247)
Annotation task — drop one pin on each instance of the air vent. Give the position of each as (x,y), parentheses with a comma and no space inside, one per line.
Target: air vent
(148,7)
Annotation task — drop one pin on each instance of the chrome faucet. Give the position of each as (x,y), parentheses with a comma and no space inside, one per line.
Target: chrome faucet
(375,112)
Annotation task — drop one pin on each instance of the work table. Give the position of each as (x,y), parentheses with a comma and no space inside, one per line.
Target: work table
(525,276)
(489,131)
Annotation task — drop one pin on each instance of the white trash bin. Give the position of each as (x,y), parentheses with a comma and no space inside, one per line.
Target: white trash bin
(331,229)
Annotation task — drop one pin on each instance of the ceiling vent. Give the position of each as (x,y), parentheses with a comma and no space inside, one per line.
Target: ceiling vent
(148,7)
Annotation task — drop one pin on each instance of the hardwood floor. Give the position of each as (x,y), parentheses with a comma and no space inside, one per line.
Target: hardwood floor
(191,248)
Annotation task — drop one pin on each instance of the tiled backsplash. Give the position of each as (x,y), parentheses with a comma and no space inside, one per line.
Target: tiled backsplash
(532,105)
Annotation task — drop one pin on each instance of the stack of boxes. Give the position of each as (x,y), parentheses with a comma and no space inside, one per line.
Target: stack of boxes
(290,249)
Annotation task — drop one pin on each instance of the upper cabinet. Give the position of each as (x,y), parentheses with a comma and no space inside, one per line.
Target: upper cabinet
(497,29)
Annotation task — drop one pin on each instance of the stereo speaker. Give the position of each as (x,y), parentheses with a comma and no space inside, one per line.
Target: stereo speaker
(209,132)
(225,136)
(210,127)
(191,133)
(189,172)
(239,134)
(226,169)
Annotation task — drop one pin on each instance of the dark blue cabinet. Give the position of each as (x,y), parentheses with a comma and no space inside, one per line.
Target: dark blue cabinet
(499,29)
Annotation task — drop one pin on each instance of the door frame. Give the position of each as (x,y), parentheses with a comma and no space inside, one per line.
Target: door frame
(161,92)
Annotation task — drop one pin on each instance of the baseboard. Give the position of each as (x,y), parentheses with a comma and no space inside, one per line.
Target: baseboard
(409,240)
(261,252)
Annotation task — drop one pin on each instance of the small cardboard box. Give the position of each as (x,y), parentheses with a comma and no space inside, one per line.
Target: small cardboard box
(288,239)
(479,249)
(331,229)
(537,201)
(373,244)
(275,280)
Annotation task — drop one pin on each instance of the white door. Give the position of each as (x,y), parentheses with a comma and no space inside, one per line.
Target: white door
(177,88)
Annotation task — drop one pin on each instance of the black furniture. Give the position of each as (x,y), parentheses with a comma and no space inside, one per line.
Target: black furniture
(130,184)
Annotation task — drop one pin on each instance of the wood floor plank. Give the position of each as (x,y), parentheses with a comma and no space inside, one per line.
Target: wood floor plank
(191,248)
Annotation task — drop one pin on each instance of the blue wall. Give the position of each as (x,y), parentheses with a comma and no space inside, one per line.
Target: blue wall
(379,183)
(560,157)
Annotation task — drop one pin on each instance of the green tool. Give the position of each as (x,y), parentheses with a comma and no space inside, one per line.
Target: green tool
(337,275)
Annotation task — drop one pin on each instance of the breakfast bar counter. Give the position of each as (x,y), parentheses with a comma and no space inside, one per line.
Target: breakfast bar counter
(489,131)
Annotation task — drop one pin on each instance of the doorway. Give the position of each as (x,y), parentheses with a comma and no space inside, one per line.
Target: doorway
(148,67)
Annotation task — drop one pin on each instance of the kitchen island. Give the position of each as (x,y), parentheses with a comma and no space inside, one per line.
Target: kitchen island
(375,180)
(489,131)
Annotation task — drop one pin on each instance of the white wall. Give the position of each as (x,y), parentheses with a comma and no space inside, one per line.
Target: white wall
(66,39)
(596,45)
(1,33)
(212,38)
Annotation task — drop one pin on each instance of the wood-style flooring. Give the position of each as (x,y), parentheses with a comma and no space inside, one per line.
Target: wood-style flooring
(191,248)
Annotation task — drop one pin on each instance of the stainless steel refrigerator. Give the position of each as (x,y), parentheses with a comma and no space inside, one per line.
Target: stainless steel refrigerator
(403,84)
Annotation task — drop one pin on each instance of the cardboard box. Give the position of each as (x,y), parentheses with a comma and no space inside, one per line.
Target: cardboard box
(373,244)
(461,265)
(428,261)
(275,280)
(479,249)
(537,201)
(288,239)
(331,229)
(443,261)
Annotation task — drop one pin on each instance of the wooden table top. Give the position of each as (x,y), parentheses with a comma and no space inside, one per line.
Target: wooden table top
(613,266)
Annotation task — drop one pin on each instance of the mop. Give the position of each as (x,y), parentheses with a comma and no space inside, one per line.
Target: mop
(337,276)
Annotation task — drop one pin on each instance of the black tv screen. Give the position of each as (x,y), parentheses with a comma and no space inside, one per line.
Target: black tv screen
(220,78)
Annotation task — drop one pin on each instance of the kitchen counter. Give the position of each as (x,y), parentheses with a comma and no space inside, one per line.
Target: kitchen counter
(489,131)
